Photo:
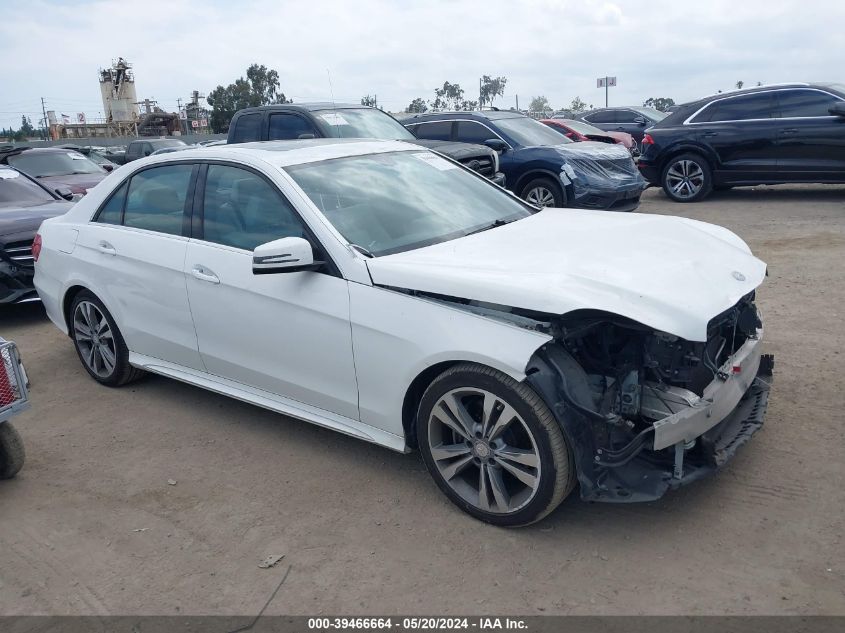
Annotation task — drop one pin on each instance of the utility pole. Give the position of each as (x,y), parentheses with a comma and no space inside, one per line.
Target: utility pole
(606,88)
(517,103)
(179,107)
(480,101)
(46,124)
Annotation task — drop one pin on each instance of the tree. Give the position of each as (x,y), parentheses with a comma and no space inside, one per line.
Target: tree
(369,101)
(261,87)
(659,103)
(539,104)
(451,97)
(739,85)
(417,106)
(26,130)
(578,106)
(492,88)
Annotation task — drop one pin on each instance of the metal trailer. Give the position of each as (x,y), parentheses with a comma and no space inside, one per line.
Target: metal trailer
(14,398)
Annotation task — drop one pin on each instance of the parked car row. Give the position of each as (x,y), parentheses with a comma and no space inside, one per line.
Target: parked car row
(65,171)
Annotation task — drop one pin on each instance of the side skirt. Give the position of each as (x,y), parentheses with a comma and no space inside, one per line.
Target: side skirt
(270,401)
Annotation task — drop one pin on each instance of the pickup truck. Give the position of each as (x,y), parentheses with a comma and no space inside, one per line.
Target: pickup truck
(144,147)
(328,120)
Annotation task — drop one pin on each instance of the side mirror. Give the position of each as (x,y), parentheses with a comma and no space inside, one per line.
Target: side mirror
(640,120)
(285,255)
(838,109)
(107,167)
(496,144)
(147,152)
(64,192)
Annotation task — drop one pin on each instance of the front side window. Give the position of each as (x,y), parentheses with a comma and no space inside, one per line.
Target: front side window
(248,128)
(287,126)
(361,123)
(156,199)
(627,116)
(472,132)
(243,210)
(805,103)
(602,116)
(59,163)
(754,106)
(435,131)
(397,201)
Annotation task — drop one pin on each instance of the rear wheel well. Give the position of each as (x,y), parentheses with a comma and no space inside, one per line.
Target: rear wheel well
(67,303)
(414,394)
(686,150)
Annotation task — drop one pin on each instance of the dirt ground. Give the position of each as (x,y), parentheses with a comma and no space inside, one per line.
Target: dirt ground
(91,525)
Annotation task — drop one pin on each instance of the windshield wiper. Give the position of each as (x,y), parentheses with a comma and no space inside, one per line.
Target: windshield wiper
(492,225)
(362,250)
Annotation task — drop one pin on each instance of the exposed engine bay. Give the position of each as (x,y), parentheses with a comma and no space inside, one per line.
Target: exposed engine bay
(643,410)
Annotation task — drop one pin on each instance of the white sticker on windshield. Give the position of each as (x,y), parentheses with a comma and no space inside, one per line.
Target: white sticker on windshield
(436,161)
(8,174)
(333,118)
(76,156)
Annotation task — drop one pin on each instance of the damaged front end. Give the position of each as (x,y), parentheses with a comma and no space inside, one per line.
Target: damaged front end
(601,176)
(645,411)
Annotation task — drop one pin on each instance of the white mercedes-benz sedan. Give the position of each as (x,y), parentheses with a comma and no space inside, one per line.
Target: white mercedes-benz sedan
(384,291)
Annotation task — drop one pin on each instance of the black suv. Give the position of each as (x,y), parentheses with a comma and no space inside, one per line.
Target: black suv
(542,166)
(765,135)
(633,120)
(329,120)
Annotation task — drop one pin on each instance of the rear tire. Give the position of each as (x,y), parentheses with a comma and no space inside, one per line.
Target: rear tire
(493,446)
(12,454)
(99,343)
(687,178)
(543,192)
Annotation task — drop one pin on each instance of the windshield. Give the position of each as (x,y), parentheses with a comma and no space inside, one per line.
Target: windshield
(19,190)
(651,113)
(398,201)
(361,123)
(40,164)
(530,133)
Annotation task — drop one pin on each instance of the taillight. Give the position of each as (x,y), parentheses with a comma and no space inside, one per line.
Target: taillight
(647,140)
(36,247)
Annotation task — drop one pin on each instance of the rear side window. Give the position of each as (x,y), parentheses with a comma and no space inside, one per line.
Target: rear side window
(112,211)
(435,131)
(805,103)
(472,132)
(753,106)
(287,126)
(243,210)
(247,128)
(602,116)
(156,199)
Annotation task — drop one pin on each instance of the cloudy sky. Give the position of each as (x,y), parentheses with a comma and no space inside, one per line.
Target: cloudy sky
(401,49)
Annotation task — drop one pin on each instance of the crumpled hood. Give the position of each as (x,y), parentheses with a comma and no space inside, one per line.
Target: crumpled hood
(672,274)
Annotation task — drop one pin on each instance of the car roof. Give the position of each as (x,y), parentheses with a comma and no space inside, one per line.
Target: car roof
(284,153)
(490,115)
(310,106)
(763,88)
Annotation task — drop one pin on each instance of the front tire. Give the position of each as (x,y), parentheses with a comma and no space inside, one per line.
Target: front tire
(99,343)
(543,192)
(12,454)
(687,178)
(493,447)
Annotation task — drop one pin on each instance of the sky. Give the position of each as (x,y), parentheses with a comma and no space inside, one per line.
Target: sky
(402,49)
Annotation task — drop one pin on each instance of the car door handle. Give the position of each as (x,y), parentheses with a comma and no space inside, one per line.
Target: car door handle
(106,249)
(789,132)
(203,274)
(707,134)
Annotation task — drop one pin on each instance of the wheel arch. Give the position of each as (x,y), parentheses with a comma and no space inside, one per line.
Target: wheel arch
(67,304)
(689,148)
(414,394)
(537,172)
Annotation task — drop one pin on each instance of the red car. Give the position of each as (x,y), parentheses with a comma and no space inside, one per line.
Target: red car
(581,131)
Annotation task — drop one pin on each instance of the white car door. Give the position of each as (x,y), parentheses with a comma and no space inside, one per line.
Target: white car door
(284,333)
(133,253)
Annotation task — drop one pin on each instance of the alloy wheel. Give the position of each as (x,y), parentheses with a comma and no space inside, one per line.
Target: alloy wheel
(95,339)
(685,178)
(540,197)
(484,450)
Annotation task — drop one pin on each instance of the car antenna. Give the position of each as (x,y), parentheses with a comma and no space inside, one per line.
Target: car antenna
(334,105)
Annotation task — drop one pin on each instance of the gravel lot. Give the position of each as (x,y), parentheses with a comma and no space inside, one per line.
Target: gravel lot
(91,525)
